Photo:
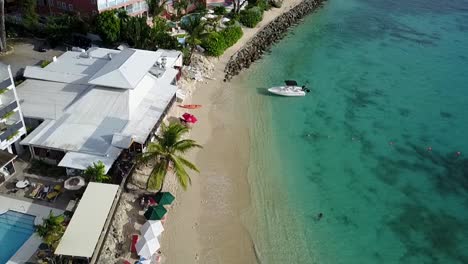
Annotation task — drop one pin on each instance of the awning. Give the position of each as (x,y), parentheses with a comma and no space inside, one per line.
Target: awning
(83,231)
(81,161)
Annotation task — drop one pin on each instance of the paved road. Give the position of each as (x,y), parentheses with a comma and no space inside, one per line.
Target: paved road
(25,54)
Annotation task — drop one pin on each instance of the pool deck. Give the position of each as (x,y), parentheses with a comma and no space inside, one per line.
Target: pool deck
(26,207)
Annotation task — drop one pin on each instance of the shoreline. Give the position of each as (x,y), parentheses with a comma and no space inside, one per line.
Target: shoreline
(207,222)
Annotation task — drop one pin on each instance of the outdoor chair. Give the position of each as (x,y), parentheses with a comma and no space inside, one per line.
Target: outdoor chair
(52,196)
(36,190)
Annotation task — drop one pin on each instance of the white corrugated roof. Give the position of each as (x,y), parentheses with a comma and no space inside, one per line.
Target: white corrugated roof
(83,119)
(47,100)
(83,231)
(121,71)
(81,161)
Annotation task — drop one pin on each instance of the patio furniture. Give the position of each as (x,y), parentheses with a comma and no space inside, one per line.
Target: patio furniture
(22,184)
(71,206)
(36,190)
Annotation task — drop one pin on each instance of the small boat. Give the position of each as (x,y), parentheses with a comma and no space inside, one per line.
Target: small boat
(191,106)
(290,89)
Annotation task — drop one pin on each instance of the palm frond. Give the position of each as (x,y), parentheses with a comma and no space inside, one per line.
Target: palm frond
(188,164)
(181,173)
(158,174)
(185,145)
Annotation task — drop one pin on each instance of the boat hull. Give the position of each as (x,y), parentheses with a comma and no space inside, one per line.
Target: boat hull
(287,92)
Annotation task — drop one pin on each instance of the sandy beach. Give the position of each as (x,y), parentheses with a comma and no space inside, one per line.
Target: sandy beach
(207,223)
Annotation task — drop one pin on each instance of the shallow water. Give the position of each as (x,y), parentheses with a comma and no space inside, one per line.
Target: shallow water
(373,146)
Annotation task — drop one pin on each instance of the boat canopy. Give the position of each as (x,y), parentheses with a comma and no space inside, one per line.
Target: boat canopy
(291,83)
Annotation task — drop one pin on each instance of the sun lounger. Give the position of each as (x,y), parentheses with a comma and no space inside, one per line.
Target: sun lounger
(36,190)
(133,243)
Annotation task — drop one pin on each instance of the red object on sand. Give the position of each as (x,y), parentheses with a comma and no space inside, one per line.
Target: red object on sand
(133,245)
(191,106)
(189,118)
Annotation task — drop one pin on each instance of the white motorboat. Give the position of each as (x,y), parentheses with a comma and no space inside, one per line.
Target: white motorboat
(290,89)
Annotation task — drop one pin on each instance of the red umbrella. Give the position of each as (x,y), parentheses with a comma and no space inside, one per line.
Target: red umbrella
(189,118)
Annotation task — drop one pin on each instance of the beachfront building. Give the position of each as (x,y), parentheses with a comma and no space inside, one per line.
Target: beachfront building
(94,105)
(12,126)
(91,7)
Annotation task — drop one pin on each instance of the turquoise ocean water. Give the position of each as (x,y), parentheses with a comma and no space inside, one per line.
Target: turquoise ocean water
(373,146)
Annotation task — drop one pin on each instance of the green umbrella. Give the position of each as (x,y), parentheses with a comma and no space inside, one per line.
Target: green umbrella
(164,198)
(155,212)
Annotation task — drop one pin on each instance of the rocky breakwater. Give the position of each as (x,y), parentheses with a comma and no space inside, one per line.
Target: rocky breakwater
(267,36)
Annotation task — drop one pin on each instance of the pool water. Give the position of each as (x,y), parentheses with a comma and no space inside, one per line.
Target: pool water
(15,229)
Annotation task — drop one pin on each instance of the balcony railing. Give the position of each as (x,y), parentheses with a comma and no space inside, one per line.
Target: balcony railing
(7,108)
(10,131)
(5,84)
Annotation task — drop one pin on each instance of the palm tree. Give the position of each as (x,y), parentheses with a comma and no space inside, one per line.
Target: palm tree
(97,172)
(195,28)
(179,6)
(51,230)
(3,46)
(166,153)
(156,7)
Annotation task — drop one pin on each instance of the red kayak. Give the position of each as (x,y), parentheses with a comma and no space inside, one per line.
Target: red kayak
(191,106)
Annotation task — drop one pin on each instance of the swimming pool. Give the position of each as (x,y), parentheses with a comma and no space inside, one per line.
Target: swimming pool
(15,229)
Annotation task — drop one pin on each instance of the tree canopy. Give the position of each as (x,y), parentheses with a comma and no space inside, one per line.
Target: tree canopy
(108,26)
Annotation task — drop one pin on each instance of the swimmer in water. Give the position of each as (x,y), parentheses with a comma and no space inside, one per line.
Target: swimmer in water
(429,149)
(457,154)
(391,143)
(319,216)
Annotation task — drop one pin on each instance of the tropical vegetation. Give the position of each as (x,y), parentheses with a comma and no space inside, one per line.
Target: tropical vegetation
(156,7)
(97,172)
(251,17)
(166,153)
(52,229)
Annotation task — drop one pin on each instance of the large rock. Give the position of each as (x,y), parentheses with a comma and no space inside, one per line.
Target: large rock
(270,34)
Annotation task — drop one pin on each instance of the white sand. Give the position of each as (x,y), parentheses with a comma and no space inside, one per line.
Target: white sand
(205,224)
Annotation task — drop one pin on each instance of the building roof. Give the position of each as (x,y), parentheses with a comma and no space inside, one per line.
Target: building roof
(120,71)
(83,231)
(83,117)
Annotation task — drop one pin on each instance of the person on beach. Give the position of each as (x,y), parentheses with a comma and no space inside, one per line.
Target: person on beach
(319,216)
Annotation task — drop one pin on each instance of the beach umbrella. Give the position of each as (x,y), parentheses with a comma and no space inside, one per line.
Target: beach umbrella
(74,183)
(151,229)
(164,198)
(155,212)
(189,118)
(146,248)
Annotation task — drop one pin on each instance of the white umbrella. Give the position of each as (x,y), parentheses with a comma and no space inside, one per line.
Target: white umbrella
(146,248)
(74,183)
(151,229)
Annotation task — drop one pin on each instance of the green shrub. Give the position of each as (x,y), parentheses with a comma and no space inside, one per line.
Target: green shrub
(214,44)
(44,63)
(220,10)
(231,35)
(263,5)
(251,17)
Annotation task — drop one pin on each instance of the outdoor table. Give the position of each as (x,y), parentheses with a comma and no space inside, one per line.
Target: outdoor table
(22,184)
(71,206)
